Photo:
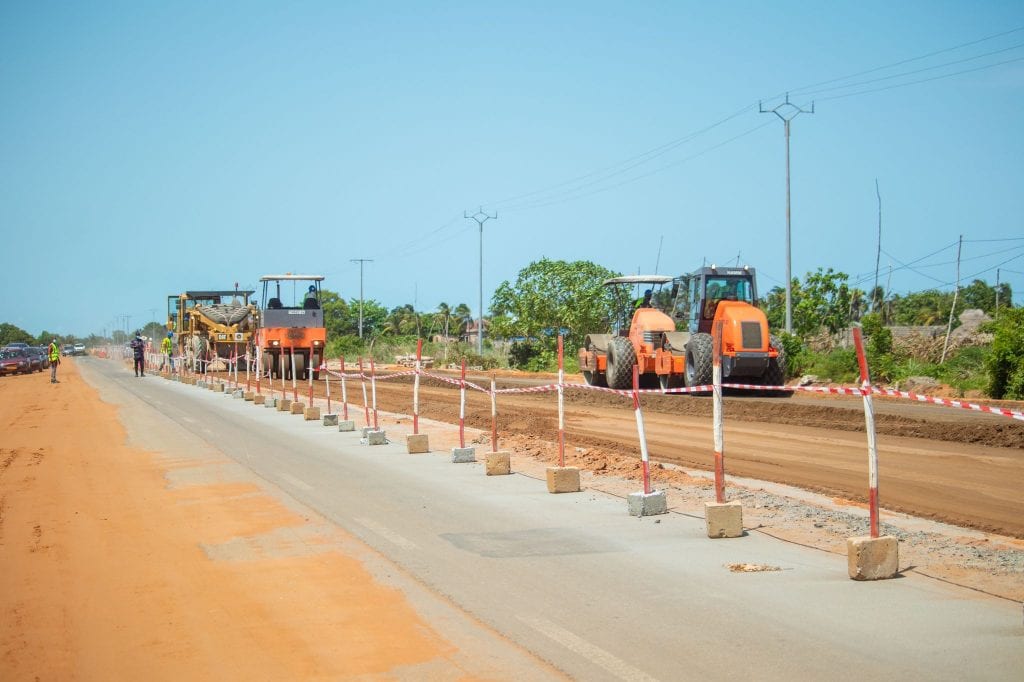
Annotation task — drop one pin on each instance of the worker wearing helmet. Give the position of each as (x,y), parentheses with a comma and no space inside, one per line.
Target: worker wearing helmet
(54,353)
(310,300)
(165,348)
(138,347)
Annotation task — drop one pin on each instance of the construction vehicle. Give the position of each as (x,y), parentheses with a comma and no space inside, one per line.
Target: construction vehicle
(291,323)
(211,325)
(669,334)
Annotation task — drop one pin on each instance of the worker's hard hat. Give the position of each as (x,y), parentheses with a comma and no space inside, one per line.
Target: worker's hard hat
(312,288)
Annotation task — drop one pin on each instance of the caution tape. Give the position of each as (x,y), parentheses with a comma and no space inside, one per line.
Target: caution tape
(946,402)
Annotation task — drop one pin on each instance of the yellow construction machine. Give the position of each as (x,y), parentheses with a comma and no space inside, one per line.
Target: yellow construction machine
(212,325)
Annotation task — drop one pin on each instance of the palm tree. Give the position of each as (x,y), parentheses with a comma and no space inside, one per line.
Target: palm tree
(464,316)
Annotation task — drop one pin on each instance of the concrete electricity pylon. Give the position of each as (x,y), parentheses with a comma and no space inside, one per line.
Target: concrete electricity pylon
(361,261)
(480,217)
(787,112)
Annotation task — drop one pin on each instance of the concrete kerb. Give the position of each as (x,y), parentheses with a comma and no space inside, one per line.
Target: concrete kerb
(563,479)
(498,463)
(417,443)
(723,520)
(463,455)
(869,558)
(647,504)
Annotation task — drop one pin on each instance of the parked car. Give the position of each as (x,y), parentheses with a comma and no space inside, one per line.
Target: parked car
(35,363)
(44,355)
(14,361)
(67,349)
(79,349)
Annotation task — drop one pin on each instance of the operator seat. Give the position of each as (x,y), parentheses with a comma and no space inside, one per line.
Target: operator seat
(274,303)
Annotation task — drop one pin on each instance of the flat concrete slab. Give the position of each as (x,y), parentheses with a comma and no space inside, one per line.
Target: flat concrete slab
(563,479)
(417,443)
(724,520)
(869,558)
(463,455)
(647,504)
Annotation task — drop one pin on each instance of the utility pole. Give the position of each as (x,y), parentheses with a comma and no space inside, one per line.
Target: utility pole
(997,294)
(361,261)
(787,112)
(878,253)
(956,294)
(480,217)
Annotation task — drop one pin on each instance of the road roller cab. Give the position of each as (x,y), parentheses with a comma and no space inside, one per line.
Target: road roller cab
(291,325)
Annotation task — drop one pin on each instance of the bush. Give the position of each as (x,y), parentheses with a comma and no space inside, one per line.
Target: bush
(1005,364)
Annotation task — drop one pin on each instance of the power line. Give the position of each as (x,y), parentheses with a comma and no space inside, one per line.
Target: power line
(907,61)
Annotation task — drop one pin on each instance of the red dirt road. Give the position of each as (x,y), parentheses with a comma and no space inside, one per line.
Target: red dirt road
(110,573)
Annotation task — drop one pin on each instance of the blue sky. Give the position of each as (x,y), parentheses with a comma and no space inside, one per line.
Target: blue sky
(148,148)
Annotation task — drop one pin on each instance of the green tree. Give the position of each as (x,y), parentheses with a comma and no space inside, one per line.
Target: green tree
(12,334)
(1005,363)
(552,296)
(463,316)
(824,302)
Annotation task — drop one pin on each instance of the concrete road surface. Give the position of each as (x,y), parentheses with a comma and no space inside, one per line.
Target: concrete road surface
(576,580)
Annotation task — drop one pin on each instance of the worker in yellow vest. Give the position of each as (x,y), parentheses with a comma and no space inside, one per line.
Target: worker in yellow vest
(54,361)
(165,348)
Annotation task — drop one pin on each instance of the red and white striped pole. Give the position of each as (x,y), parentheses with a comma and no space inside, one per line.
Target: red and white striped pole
(284,393)
(236,368)
(416,389)
(248,361)
(462,406)
(644,456)
(295,383)
(494,416)
(259,367)
(310,371)
(344,392)
(362,381)
(719,430)
(869,426)
(561,405)
(373,390)
(327,385)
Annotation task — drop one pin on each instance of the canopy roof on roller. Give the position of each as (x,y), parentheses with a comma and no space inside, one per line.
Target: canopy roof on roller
(639,279)
(276,278)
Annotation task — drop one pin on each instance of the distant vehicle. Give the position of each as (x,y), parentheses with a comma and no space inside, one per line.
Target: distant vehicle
(14,361)
(67,349)
(79,349)
(35,360)
(44,355)
(17,344)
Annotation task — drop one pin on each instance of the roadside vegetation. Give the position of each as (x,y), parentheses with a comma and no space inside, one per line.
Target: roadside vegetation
(552,297)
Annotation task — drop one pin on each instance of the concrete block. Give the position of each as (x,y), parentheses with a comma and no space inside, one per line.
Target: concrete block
(376,438)
(367,429)
(499,463)
(647,504)
(463,455)
(563,479)
(284,405)
(724,520)
(270,402)
(297,408)
(417,443)
(238,393)
(869,558)
(311,414)
(346,425)
(248,396)
(258,399)
(330,420)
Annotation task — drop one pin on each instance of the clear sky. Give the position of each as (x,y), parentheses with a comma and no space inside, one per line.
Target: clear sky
(153,147)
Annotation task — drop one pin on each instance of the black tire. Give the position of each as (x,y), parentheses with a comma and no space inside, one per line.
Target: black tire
(775,374)
(621,358)
(667,381)
(698,360)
